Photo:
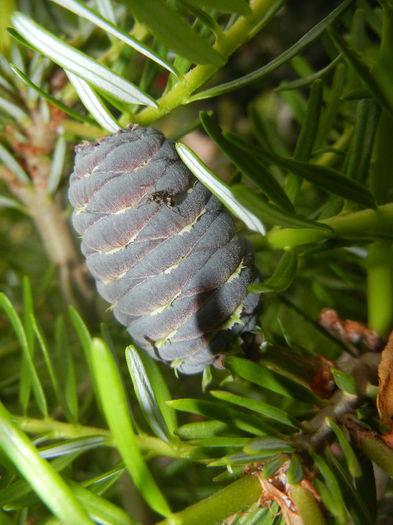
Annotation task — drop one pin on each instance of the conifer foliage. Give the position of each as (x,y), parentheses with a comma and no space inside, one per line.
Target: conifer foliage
(268,272)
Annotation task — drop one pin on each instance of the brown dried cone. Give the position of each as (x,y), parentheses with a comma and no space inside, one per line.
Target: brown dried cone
(163,250)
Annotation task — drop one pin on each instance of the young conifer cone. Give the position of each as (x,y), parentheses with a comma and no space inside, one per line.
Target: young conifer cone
(163,250)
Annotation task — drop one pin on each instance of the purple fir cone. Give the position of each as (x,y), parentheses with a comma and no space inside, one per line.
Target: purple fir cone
(163,250)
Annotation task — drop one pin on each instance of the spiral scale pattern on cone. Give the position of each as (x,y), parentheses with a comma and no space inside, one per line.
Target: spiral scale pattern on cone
(163,250)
